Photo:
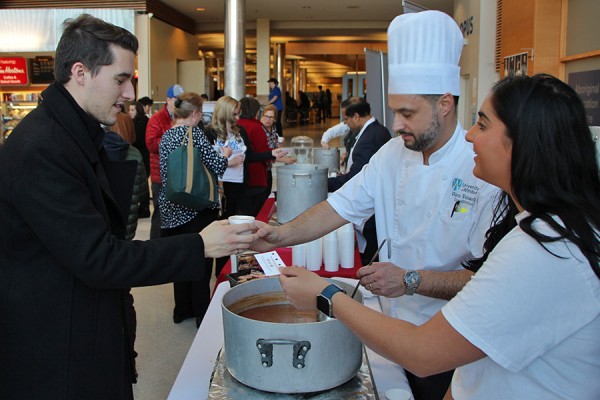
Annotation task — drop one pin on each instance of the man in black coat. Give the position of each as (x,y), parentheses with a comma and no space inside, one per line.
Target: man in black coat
(64,262)
(366,137)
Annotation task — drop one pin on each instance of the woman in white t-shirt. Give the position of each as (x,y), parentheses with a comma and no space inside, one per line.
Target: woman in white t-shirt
(527,325)
(225,132)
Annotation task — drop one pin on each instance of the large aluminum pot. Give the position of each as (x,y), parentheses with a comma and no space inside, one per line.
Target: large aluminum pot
(329,158)
(299,187)
(286,358)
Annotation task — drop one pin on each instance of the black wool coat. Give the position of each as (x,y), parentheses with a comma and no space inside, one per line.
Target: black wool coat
(63,266)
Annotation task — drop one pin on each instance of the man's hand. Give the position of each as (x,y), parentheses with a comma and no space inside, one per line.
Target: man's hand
(383,279)
(324,145)
(266,239)
(221,239)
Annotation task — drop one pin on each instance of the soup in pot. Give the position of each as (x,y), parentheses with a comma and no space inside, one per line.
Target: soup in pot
(280,313)
(271,307)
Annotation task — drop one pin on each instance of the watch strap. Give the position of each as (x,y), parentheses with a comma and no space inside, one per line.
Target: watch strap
(412,279)
(330,290)
(324,303)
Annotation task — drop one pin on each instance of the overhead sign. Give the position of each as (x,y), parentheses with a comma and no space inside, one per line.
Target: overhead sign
(587,86)
(13,71)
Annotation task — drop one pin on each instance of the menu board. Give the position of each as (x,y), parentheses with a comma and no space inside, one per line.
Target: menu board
(42,69)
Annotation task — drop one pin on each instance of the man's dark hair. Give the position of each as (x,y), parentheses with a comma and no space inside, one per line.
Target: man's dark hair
(433,98)
(87,39)
(356,105)
(146,101)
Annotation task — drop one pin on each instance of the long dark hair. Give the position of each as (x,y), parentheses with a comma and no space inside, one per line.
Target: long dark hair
(554,171)
(249,107)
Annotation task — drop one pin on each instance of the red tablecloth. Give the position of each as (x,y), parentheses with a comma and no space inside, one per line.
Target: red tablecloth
(286,252)
(267,210)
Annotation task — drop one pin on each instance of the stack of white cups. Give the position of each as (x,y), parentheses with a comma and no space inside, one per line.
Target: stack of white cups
(314,255)
(299,255)
(345,239)
(330,252)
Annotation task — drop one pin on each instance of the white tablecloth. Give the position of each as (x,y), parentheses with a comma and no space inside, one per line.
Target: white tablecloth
(193,380)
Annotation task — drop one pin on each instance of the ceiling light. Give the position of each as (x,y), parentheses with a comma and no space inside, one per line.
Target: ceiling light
(200,9)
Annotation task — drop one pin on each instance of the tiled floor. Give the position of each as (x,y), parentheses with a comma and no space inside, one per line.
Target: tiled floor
(162,345)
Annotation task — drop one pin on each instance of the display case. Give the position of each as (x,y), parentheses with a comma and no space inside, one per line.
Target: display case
(14,107)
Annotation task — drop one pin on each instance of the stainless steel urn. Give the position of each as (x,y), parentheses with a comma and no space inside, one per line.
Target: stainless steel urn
(299,187)
(329,158)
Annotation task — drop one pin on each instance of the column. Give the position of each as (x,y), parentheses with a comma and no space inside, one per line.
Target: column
(263,56)
(295,79)
(142,31)
(235,48)
(279,69)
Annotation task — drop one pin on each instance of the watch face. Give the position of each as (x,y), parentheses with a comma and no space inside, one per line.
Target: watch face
(324,305)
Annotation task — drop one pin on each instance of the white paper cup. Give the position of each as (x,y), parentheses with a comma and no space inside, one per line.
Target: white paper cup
(280,139)
(398,394)
(299,255)
(314,255)
(241,219)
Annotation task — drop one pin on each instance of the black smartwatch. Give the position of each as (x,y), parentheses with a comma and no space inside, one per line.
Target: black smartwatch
(324,303)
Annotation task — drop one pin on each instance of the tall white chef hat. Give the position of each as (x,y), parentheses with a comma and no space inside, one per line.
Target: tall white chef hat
(423,53)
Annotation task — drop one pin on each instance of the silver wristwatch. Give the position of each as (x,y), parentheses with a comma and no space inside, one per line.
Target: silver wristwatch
(411,280)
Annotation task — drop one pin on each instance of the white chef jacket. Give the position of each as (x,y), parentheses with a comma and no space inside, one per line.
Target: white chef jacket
(413,205)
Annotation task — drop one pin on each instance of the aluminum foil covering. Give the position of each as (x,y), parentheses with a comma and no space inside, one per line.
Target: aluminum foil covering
(225,386)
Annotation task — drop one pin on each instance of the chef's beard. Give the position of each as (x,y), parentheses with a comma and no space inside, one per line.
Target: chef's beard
(424,140)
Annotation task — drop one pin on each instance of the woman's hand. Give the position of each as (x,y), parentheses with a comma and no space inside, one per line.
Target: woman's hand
(278,153)
(286,160)
(222,239)
(237,160)
(301,287)
(227,151)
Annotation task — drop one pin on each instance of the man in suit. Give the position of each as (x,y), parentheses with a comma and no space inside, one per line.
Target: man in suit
(366,136)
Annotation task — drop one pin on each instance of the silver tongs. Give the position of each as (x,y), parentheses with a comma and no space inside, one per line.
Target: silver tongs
(371,262)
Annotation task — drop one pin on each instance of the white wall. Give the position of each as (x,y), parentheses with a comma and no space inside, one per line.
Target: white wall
(191,75)
(168,46)
(477,69)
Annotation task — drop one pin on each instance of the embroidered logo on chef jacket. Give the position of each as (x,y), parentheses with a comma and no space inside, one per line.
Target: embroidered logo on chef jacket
(463,198)
(456,184)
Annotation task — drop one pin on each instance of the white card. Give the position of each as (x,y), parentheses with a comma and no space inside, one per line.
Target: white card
(269,262)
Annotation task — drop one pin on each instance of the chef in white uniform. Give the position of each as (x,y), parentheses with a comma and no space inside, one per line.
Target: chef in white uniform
(428,205)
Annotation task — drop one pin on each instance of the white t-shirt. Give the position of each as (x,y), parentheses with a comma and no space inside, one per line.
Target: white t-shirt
(413,203)
(234,173)
(536,316)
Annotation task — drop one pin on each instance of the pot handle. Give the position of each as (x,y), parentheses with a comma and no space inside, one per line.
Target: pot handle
(303,175)
(265,347)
